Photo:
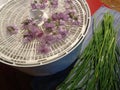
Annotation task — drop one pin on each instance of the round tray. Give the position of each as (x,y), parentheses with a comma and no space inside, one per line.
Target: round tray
(15,53)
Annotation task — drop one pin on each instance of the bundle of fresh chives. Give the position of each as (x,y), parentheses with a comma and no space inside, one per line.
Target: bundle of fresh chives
(98,66)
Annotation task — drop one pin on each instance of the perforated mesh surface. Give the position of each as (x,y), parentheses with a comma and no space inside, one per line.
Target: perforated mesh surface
(12,50)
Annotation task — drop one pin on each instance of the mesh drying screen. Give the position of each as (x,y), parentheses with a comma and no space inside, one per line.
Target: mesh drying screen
(12,50)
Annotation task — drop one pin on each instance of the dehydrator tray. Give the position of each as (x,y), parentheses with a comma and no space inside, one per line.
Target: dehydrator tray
(15,53)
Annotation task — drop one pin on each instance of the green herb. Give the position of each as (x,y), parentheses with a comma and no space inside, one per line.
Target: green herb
(98,66)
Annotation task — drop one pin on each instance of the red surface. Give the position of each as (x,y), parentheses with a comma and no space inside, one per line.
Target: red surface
(94,5)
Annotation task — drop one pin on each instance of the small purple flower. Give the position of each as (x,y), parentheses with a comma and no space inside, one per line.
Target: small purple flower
(27,40)
(60,15)
(51,39)
(44,49)
(48,39)
(27,37)
(48,25)
(25,24)
(76,23)
(68,1)
(55,16)
(33,28)
(39,34)
(12,29)
(33,6)
(62,22)
(71,12)
(63,32)
(58,37)
(41,6)
(54,3)
(65,17)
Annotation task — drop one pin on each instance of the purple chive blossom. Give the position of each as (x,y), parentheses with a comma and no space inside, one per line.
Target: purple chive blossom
(48,25)
(60,15)
(41,6)
(25,24)
(62,22)
(51,39)
(33,6)
(44,49)
(70,11)
(27,40)
(68,1)
(12,29)
(39,34)
(76,22)
(58,37)
(63,16)
(55,16)
(48,39)
(54,3)
(66,12)
(33,28)
(63,32)
(27,37)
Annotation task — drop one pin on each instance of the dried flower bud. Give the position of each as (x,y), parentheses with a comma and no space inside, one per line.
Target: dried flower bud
(12,30)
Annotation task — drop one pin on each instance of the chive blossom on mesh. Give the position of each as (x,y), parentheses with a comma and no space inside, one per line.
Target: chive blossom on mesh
(12,29)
